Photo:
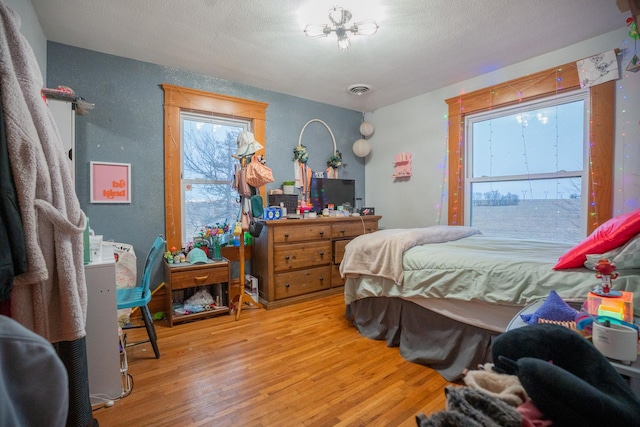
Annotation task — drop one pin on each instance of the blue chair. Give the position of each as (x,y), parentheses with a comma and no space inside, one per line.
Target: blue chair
(140,296)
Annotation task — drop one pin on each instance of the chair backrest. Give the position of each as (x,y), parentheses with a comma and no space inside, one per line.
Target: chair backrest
(154,253)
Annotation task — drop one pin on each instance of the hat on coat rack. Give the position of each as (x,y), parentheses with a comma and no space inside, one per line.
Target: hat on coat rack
(247,144)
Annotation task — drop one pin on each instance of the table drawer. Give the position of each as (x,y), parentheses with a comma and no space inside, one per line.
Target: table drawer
(201,277)
(301,233)
(301,255)
(353,228)
(302,282)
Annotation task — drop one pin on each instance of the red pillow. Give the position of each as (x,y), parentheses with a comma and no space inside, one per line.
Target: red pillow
(613,233)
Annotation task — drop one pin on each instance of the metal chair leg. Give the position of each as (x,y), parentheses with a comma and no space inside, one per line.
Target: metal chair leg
(151,330)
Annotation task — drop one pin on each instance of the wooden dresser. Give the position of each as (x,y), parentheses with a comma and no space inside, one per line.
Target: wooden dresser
(298,259)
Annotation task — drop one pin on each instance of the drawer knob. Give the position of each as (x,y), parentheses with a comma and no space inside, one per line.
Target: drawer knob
(321,233)
(321,278)
(286,235)
(342,232)
(287,257)
(201,278)
(321,254)
(286,285)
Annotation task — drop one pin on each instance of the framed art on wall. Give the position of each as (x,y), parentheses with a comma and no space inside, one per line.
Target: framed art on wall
(110,182)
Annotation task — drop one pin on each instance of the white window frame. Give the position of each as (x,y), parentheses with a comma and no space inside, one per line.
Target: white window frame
(546,102)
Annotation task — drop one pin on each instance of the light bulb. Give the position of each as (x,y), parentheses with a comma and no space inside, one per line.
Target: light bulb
(344,43)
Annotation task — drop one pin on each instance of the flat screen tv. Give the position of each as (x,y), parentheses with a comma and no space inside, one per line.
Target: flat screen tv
(325,191)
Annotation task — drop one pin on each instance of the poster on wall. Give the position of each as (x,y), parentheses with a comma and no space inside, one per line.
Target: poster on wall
(110,182)
(598,69)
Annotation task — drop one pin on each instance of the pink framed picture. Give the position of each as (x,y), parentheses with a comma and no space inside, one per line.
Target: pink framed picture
(110,182)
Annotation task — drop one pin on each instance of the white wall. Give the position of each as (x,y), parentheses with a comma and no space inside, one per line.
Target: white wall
(32,31)
(419,125)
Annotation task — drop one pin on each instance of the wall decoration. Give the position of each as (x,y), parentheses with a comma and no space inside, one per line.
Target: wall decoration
(302,172)
(634,64)
(110,182)
(402,163)
(362,148)
(598,69)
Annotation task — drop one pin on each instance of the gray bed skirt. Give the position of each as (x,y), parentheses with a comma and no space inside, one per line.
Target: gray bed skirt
(423,336)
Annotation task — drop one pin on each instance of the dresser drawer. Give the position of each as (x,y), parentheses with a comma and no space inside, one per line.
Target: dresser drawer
(301,255)
(301,233)
(200,277)
(353,228)
(338,250)
(336,279)
(302,282)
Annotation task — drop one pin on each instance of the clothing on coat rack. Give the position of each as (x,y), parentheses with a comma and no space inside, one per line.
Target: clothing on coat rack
(13,253)
(50,298)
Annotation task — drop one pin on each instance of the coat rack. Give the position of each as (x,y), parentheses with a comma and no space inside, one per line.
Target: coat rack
(243,298)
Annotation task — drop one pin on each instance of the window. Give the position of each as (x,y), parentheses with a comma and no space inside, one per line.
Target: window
(595,189)
(526,169)
(200,130)
(208,169)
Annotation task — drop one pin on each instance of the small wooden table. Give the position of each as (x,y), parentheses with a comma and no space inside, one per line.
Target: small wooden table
(184,279)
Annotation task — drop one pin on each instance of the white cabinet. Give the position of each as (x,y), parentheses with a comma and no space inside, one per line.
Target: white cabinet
(65,117)
(103,351)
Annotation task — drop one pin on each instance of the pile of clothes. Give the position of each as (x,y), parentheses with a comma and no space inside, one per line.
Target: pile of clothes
(543,375)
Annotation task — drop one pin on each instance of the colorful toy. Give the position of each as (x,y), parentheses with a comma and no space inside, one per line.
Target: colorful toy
(605,272)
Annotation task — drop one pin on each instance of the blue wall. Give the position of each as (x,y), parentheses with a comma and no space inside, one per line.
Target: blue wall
(127,126)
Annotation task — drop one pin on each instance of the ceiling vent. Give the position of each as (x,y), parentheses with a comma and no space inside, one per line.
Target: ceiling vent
(359,89)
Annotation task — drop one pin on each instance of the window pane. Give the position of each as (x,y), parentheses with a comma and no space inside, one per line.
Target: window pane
(208,204)
(208,169)
(207,150)
(542,140)
(547,209)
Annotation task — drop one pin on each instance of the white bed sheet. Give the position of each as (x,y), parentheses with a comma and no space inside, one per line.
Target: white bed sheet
(489,269)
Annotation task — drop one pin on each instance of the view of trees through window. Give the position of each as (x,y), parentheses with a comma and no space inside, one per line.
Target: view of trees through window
(527,171)
(207,173)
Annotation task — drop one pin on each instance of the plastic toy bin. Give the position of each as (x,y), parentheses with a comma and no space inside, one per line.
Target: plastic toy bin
(620,307)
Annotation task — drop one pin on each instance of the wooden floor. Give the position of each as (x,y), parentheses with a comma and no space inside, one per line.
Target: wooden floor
(302,365)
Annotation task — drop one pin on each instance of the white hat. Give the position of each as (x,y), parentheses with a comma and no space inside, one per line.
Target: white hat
(247,144)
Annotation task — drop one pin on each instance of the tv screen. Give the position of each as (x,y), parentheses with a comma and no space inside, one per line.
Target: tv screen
(325,191)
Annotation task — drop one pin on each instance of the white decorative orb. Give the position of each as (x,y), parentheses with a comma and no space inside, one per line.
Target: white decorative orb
(366,129)
(361,148)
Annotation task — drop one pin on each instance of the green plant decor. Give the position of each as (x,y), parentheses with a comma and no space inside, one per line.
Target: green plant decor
(300,154)
(335,161)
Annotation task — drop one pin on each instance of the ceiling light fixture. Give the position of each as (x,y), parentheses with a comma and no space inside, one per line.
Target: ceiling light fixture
(340,18)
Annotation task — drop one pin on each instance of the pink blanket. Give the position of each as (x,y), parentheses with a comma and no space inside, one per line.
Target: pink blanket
(380,253)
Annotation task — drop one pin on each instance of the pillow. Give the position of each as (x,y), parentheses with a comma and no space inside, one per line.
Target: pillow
(624,257)
(553,308)
(613,233)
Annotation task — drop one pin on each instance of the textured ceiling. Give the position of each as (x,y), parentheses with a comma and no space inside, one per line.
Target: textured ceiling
(421,45)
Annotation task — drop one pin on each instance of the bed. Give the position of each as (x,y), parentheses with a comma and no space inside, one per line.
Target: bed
(443,293)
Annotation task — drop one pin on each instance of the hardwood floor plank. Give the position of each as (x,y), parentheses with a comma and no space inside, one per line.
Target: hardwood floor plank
(299,365)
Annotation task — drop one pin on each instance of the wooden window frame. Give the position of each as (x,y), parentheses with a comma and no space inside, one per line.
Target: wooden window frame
(176,100)
(534,86)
